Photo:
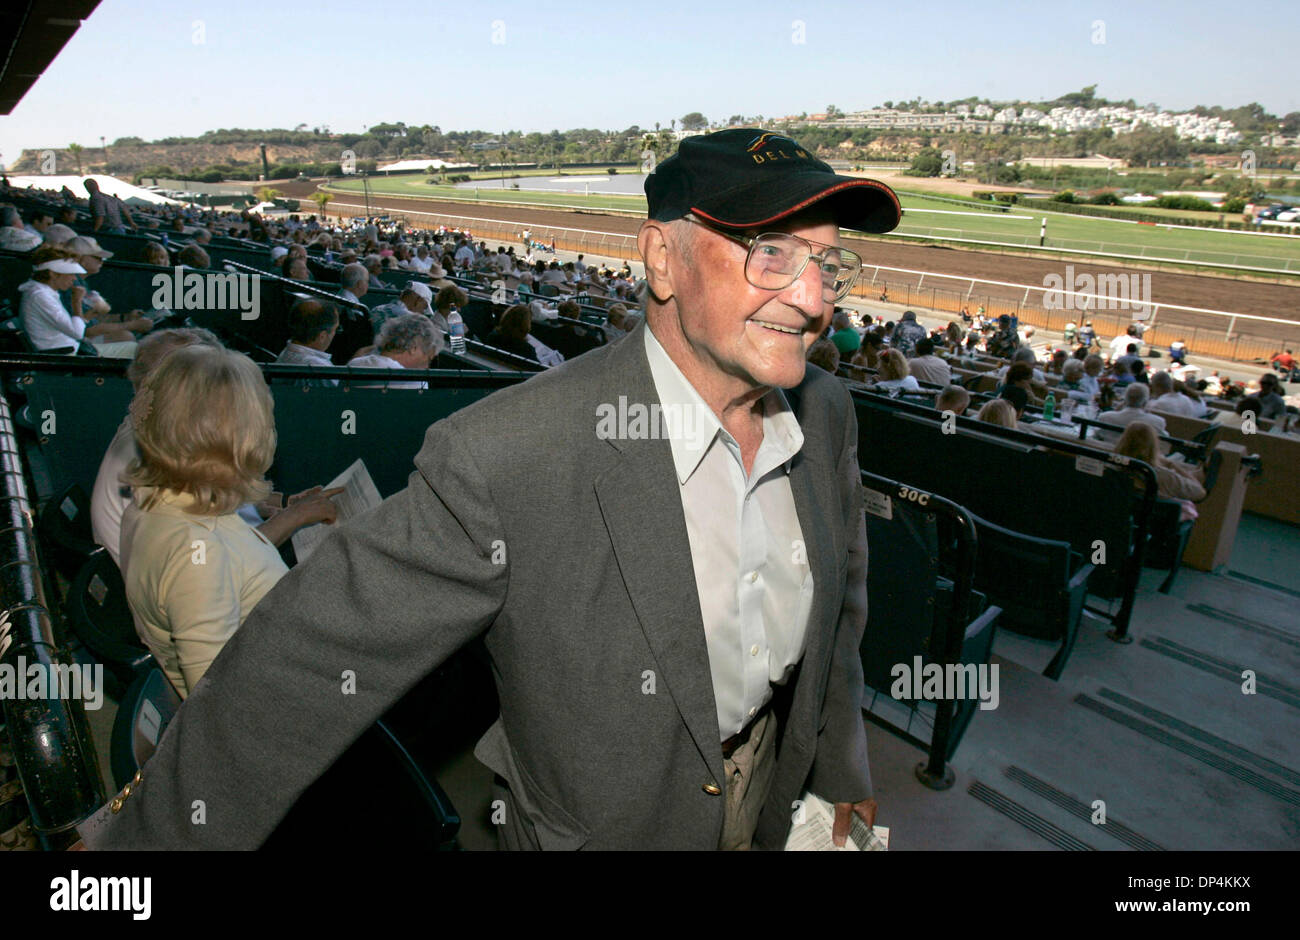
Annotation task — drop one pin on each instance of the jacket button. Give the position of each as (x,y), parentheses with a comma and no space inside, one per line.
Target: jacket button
(139,775)
(116,805)
(712,788)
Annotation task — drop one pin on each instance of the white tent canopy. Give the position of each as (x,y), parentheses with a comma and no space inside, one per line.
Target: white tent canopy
(107,184)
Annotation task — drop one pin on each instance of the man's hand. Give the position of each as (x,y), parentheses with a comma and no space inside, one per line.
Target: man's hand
(75,296)
(844,818)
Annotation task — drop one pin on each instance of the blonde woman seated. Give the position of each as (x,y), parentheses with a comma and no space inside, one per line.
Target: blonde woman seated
(193,568)
(1175,480)
(893,372)
(998,411)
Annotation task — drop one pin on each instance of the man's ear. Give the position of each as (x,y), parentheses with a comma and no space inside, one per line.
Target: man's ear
(653,242)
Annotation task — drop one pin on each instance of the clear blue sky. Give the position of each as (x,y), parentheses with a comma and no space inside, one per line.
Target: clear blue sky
(135,68)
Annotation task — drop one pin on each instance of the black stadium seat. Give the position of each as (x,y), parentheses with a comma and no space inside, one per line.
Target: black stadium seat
(921,605)
(1040,584)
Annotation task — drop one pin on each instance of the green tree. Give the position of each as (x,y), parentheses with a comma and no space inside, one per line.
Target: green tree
(75,150)
(695,121)
(929,162)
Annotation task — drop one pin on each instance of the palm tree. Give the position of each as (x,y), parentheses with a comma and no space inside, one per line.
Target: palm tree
(268,194)
(321,199)
(75,150)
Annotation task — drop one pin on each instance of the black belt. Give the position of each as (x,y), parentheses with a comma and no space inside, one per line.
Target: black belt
(740,737)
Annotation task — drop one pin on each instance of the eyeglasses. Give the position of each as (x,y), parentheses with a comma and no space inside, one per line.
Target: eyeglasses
(778,259)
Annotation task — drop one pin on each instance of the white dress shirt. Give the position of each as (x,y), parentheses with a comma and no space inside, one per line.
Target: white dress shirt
(191,581)
(1176,403)
(46,320)
(751,570)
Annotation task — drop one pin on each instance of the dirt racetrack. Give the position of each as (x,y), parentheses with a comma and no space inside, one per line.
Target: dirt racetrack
(1192,290)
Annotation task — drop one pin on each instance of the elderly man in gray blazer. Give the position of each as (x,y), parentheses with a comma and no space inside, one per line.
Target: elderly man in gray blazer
(660,542)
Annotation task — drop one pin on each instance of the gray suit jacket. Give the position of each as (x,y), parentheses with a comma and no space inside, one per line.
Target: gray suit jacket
(596,589)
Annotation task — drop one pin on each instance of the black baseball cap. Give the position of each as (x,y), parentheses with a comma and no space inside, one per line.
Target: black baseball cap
(746,178)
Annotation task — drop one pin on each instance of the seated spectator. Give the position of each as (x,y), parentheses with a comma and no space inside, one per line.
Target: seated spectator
(997,411)
(1129,358)
(414,298)
(13,235)
(48,324)
(39,219)
(409,341)
(1020,375)
(312,325)
(374,265)
(156,255)
(192,256)
(1018,398)
(844,336)
(953,398)
(1271,403)
(1248,404)
(1092,367)
(825,355)
(1005,341)
(927,367)
(110,496)
(1057,365)
(204,428)
(58,234)
(892,372)
(295,269)
(615,326)
(1176,480)
(1025,355)
(354,282)
(446,298)
(91,257)
(511,333)
(1136,397)
(868,355)
(1072,381)
(1165,398)
(421,263)
(907,334)
(1139,370)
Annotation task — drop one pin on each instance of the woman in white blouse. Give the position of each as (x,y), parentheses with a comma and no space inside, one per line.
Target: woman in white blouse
(48,324)
(193,568)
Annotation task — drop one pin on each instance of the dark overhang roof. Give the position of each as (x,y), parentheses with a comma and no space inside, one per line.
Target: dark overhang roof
(32,33)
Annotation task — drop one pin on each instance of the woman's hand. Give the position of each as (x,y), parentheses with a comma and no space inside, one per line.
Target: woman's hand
(314,505)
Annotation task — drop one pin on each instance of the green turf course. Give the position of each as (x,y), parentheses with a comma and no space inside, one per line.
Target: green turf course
(1083,233)
(974,221)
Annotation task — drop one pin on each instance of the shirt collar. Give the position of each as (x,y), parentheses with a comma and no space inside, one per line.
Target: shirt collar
(686,412)
(169,502)
(309,352)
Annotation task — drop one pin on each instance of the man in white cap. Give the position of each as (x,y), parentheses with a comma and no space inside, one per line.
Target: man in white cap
(92,257)
(416,297)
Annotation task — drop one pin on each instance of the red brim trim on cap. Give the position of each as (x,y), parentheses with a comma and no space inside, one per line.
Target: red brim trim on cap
(812,200)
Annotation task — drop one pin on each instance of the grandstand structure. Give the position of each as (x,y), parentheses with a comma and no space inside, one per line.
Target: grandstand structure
(1144,655)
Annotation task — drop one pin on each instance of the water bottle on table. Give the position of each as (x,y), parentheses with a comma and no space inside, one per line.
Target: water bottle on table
(456,326)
